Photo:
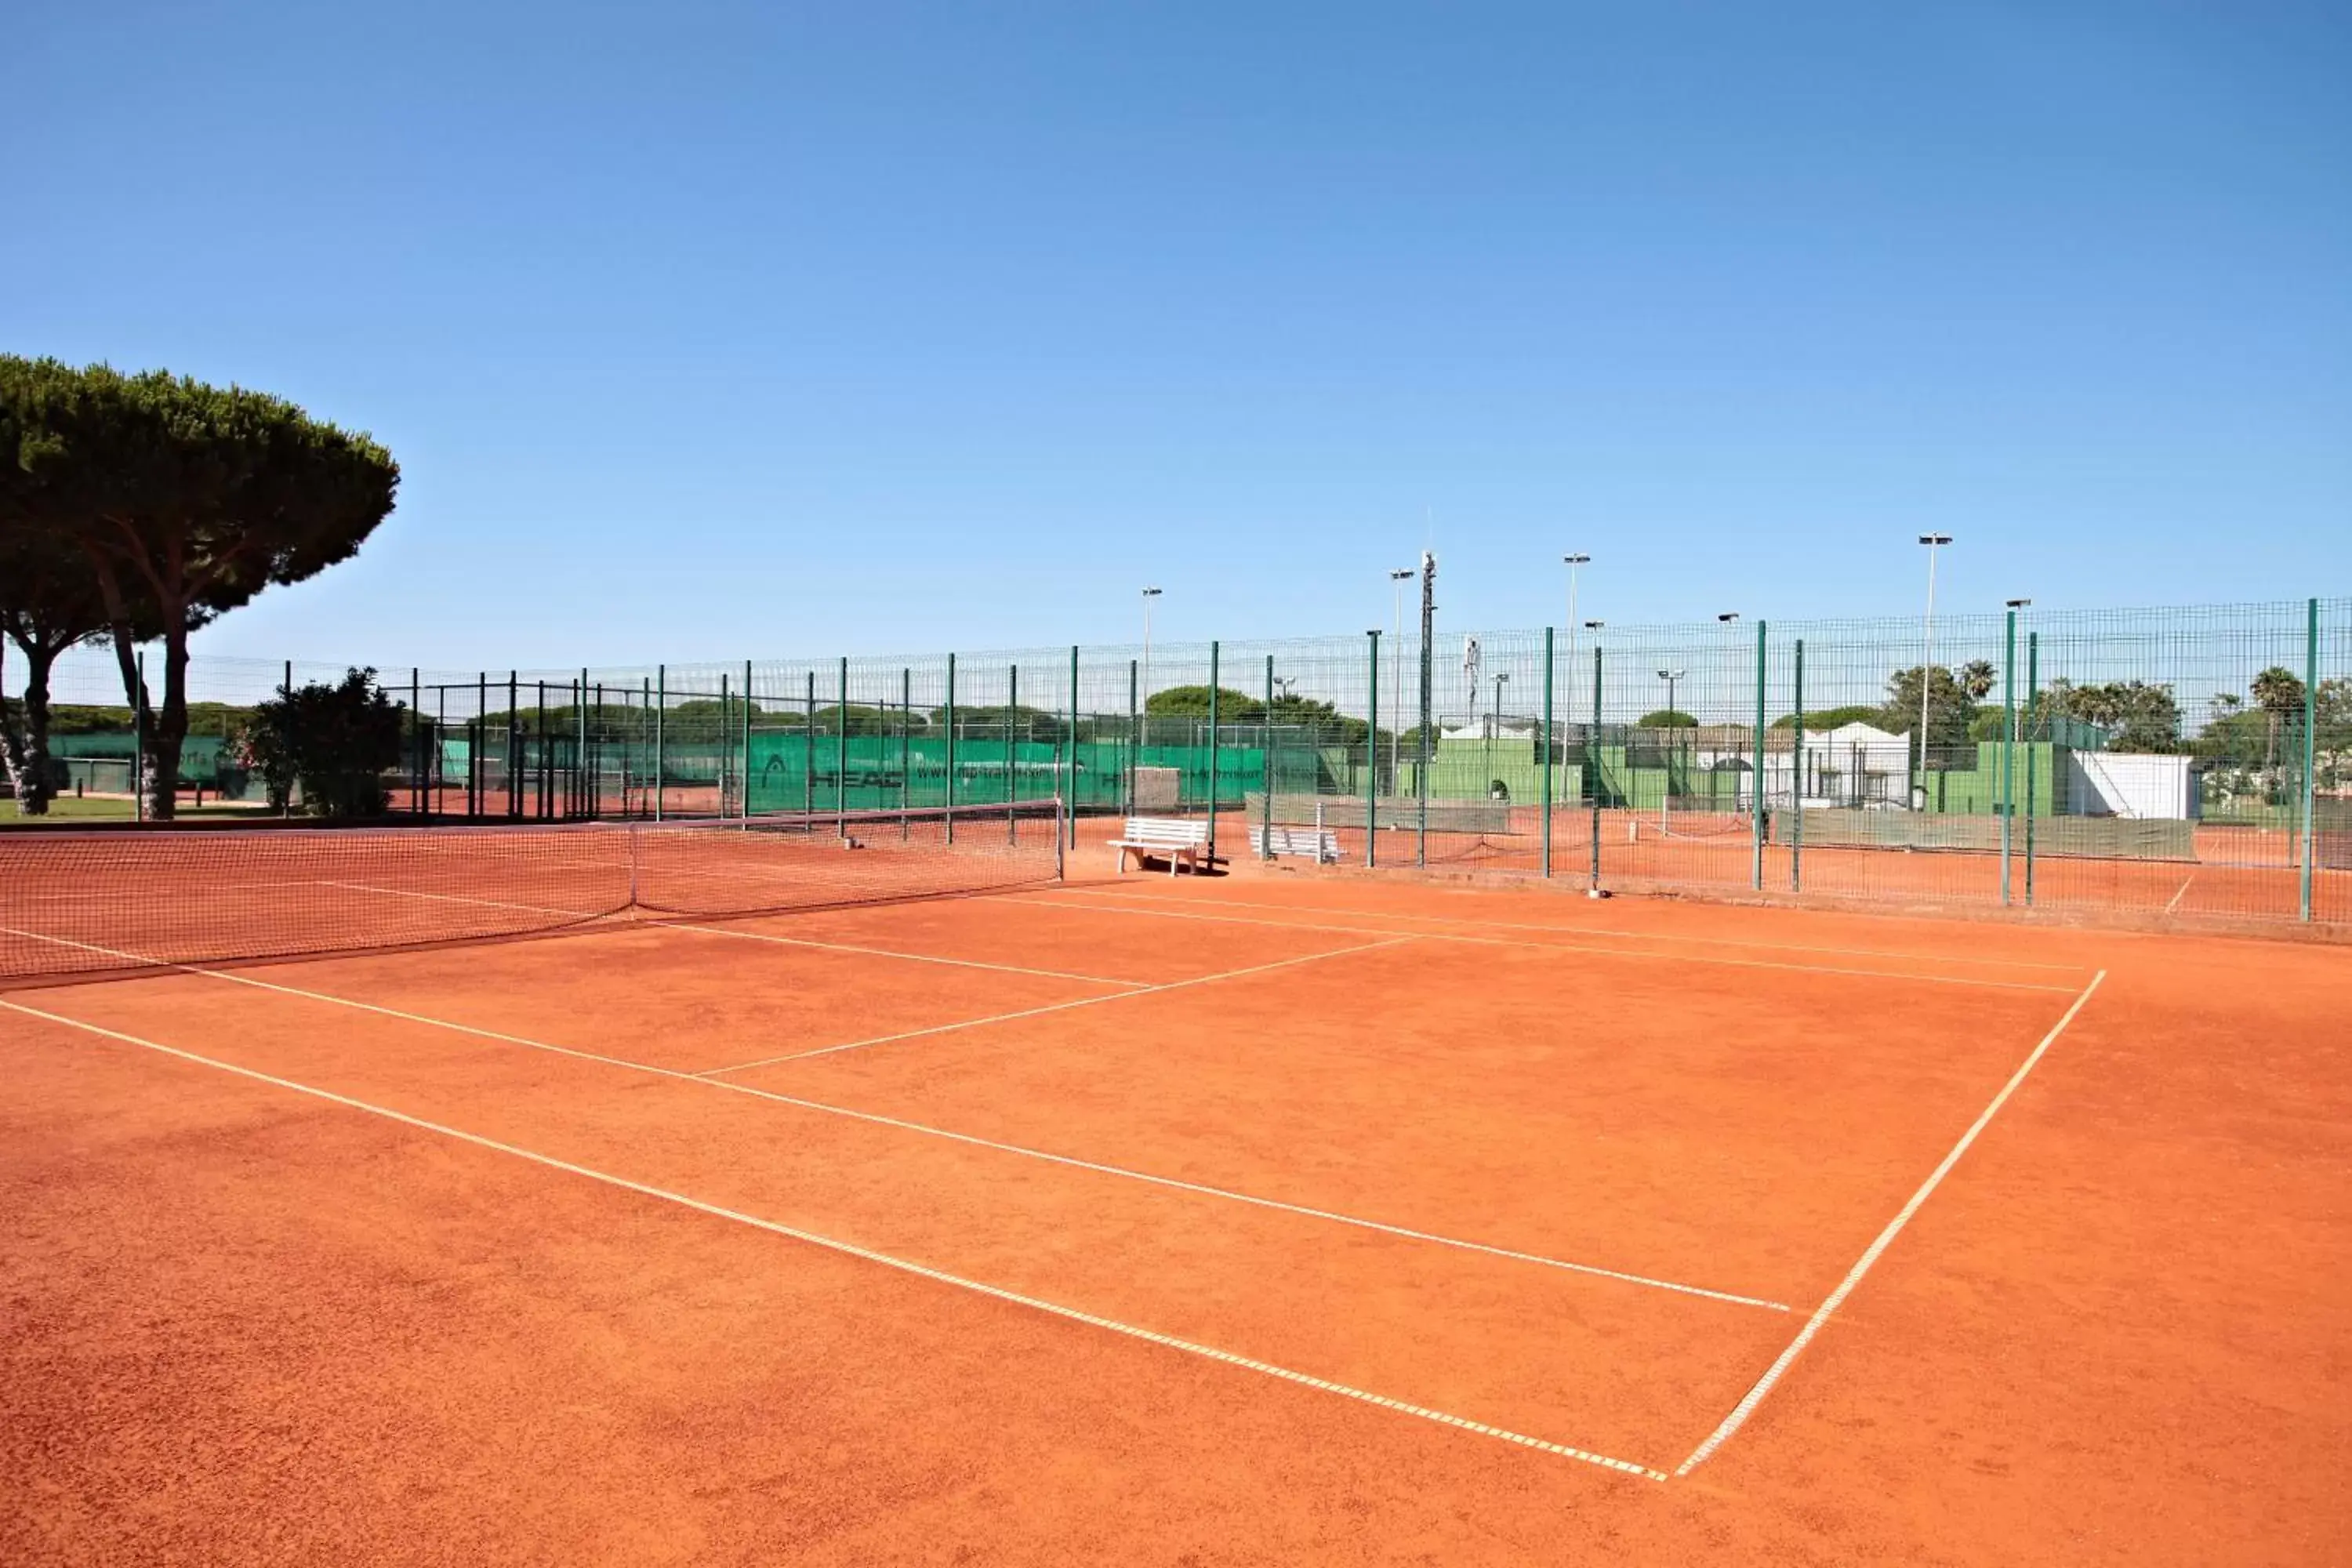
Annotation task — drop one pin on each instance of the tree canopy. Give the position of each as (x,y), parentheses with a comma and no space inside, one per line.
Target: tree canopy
(182,501)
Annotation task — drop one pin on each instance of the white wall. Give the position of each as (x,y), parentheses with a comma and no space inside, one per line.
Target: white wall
(2130,784)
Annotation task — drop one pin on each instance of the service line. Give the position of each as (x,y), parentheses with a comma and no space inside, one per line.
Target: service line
(1395,939)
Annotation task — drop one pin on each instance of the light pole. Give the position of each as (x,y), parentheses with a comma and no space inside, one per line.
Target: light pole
(1729,622)
(1666,794)
(1397,580)
(1927,663)
(1149,594)
(1567,715)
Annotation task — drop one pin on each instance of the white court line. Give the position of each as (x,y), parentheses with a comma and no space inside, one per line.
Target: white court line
(867,1254)
(1755,1397)
(901,1124)
(1124,908)
(2181,893)
(654,923)
(889,952)
(1394,940)
(1114,892)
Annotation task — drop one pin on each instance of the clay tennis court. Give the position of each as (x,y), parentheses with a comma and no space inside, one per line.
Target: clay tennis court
(1269,1216)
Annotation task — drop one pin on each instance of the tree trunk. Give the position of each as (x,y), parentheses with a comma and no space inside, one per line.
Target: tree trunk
(169,730)
(27,754)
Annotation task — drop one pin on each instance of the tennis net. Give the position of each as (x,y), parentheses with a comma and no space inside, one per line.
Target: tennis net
(86,904)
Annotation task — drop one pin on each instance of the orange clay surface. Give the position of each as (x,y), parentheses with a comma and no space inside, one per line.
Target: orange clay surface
(1267,1217)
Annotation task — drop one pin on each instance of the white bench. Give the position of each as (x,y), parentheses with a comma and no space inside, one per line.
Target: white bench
(1180,841)
(1315,844)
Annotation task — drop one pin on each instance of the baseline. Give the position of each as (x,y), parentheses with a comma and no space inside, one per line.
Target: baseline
(865,1254)
(1134,907)
(1131,896)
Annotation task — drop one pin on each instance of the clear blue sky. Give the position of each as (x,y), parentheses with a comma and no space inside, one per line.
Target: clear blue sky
(711,331)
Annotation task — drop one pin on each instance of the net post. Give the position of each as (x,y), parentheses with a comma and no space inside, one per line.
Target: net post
(2310,748)
(1266,769)
(2033,700)
(661,712)
(840,751)
(1012,757)
(951,743)
(808,750)
(1759,815)
(2008,749)
(1797,781)
(580,805)
(1214,676)
(1073,807)
(1593,789)
(1373,755)
(906,751)
(1547,754)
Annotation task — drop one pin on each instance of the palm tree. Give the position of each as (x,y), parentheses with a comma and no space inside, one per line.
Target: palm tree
(1976,679)
(2277,691)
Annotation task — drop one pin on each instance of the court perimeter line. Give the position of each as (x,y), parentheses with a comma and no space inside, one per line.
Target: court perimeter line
(1394,940)
(662,923)
(876,1118)
(867,1254)
(1610,930)
(1755,1397)
(1136,909)
(2179,893)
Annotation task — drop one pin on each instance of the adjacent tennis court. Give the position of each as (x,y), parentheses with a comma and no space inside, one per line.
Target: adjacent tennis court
(833,1189)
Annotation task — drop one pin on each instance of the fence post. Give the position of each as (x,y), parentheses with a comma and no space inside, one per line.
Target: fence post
(1213,754)
(1134,734)
(1372,758)
(906,751)
(1594,789)
(1265,768)
(951,741)
(1797,781)
(1071,815)
(1546,753)
(2008,749)
(2310,746)
(840,753)
(1012,756)
(514,733)
(1760,817)
(808,753)
(746,784)
(2032,698)
(476,765)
